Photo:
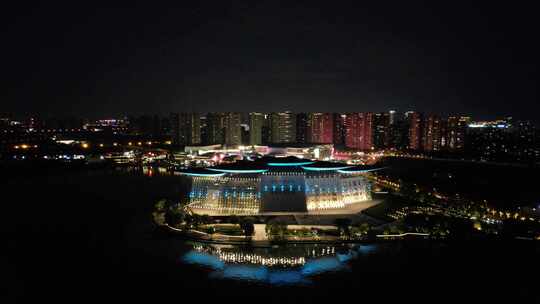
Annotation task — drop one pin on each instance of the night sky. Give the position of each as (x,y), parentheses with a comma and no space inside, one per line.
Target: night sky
(70,59)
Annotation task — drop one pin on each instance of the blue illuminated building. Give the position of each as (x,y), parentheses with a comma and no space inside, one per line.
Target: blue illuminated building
(277,185)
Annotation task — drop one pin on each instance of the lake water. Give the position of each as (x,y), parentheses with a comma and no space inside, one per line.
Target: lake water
(500,185)
(87,236)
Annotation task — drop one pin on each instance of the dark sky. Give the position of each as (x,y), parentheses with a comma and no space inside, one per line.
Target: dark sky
(71,59)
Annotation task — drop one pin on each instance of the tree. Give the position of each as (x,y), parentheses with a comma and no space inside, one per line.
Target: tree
(408,190)
(276,229)
(343,225)
(206,219)
(395,229)
(247,225)
(194,220)
(161,205)
(174,216)
(160,210)
(159,218)
(363,228)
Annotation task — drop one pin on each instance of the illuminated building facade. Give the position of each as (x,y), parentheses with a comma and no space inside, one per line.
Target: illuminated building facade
(392,117)
(490,141)
(415,130)
(286,184)
(233,133)
(381,126)
(456,132)
(283,127)
(320,128)
(215,128)
(331,191)
(227,194)
(339,129)
(431,139)
(398,131)
(256,124)
(359,131)
(301,128)
(186,128)
(524,141)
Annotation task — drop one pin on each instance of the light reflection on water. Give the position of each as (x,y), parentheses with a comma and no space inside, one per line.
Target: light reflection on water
(283,265)
(367,249)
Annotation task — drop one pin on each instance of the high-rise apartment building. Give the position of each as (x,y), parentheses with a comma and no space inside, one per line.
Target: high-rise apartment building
(431,139)
(283,127)
(381,130)
(392,117)
(256,124)
(233,131)
(320,128)
(399,133)
(415,130)
(186,128)
(489,141)
(339,129)
(456,132)
(215,128)
(524,145)
(358,131)
(302,128)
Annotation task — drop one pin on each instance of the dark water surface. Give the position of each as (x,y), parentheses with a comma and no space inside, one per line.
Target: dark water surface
(504,186)
(87,236)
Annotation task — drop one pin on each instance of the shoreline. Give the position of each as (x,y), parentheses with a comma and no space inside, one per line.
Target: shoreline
(190,234)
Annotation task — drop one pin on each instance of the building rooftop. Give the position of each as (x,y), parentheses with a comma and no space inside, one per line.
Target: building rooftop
(241,166)
(200,172)
(359,169)
(279,164)
(285,161)
(325,166)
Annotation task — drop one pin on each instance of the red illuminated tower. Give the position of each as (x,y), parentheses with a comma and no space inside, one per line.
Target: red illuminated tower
(320,128)
(358,131)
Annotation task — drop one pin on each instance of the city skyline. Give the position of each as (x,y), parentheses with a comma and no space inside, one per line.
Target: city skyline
(501,140)
(393,111)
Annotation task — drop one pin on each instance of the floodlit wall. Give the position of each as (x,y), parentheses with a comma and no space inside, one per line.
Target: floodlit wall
(283,192)
(227,194)
(277,192)
(335,191)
